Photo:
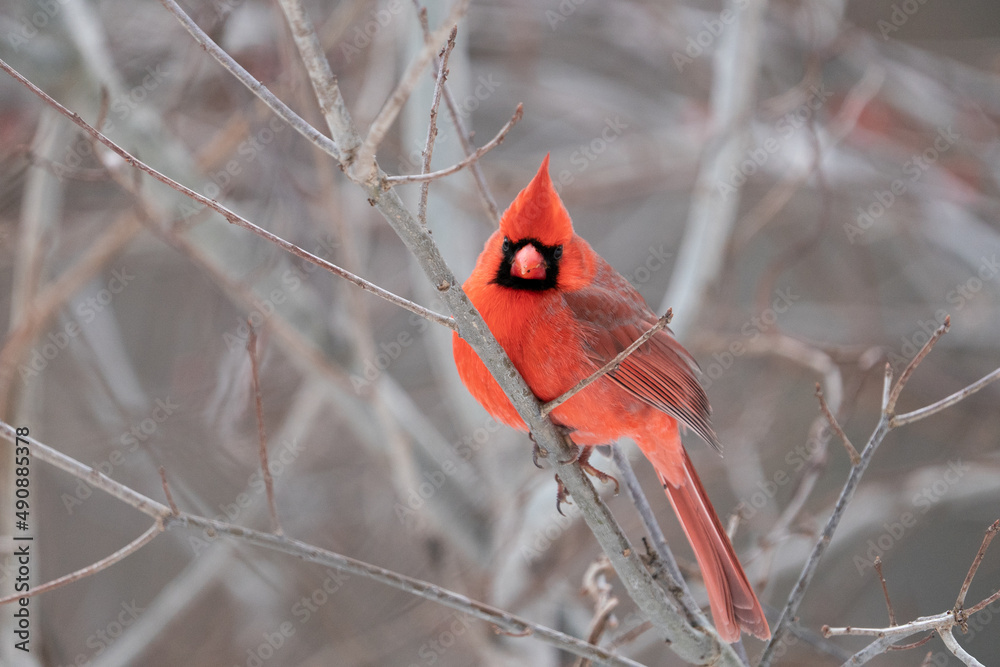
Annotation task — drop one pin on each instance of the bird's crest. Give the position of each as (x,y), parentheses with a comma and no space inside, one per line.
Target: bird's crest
(538,213)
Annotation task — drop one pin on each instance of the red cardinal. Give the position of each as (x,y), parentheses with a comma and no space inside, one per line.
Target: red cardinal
(561,312)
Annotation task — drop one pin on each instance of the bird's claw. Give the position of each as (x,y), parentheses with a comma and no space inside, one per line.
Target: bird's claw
(583,458)
(537,451)
(576,456)
(562,495)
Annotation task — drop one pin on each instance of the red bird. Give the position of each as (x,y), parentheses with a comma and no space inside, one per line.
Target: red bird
(561,312)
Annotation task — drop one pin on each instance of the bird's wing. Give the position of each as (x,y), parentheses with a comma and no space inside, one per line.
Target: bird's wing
(661,372)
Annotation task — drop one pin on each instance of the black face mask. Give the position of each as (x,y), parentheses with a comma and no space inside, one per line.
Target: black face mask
(550,253)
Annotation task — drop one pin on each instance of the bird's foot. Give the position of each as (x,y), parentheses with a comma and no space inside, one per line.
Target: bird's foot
(537,451)
(577,455)
(562,495)
(582,456)
(584,460)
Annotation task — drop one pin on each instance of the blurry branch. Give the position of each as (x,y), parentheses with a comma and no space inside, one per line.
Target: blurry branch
(458,166)
(95,175)
(943,624)
(166,491)
(364,167)
(166,518)
(596,585)
(710,220)
(261,430)
(890,393)
(697,645)
(609,367)
(464,136)
(229,215)
(840,127)
(93,568)
(56,294)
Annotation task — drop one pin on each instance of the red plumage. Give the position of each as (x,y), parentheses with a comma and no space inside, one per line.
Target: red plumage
(561,312)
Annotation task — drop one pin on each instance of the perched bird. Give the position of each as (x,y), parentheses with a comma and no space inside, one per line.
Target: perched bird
(561,312)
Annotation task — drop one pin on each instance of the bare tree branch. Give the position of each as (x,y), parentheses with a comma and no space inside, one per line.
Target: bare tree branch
(364,168)
(165,519)
(93,568)
(910,367)
(900,420)
(672,573)
(166,491)
(846,495)
(851,451)
(229,215)
(464,135)
(343,151)
(261,430)
(458,166)
(885,590)
(432,127)
(991,532)
(331,102)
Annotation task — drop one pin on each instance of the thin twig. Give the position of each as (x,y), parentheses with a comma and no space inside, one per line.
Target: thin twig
(229,215)
(609,367)
(283,544)
(458,166)
(910,367)
(991,532)
(943,624)
(846,495)
(432,128)
(93,568)
(464,135)
(167,493)
(983,604)
(365,167)
(851,451)
(886,387)
(913,645)
(261,430)
(885,590)
(899,420)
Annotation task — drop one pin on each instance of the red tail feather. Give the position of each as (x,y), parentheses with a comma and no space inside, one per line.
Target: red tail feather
(733,602)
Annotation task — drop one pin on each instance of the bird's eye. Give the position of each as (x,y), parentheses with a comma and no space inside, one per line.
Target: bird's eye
(557,253)
(506,245)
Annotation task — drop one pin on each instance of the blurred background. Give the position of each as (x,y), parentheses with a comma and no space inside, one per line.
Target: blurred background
(812,186)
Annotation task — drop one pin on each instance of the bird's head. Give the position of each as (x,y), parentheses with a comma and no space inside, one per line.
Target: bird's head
(535,233)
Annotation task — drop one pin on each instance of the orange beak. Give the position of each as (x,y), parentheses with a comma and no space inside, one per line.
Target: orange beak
(528,263)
